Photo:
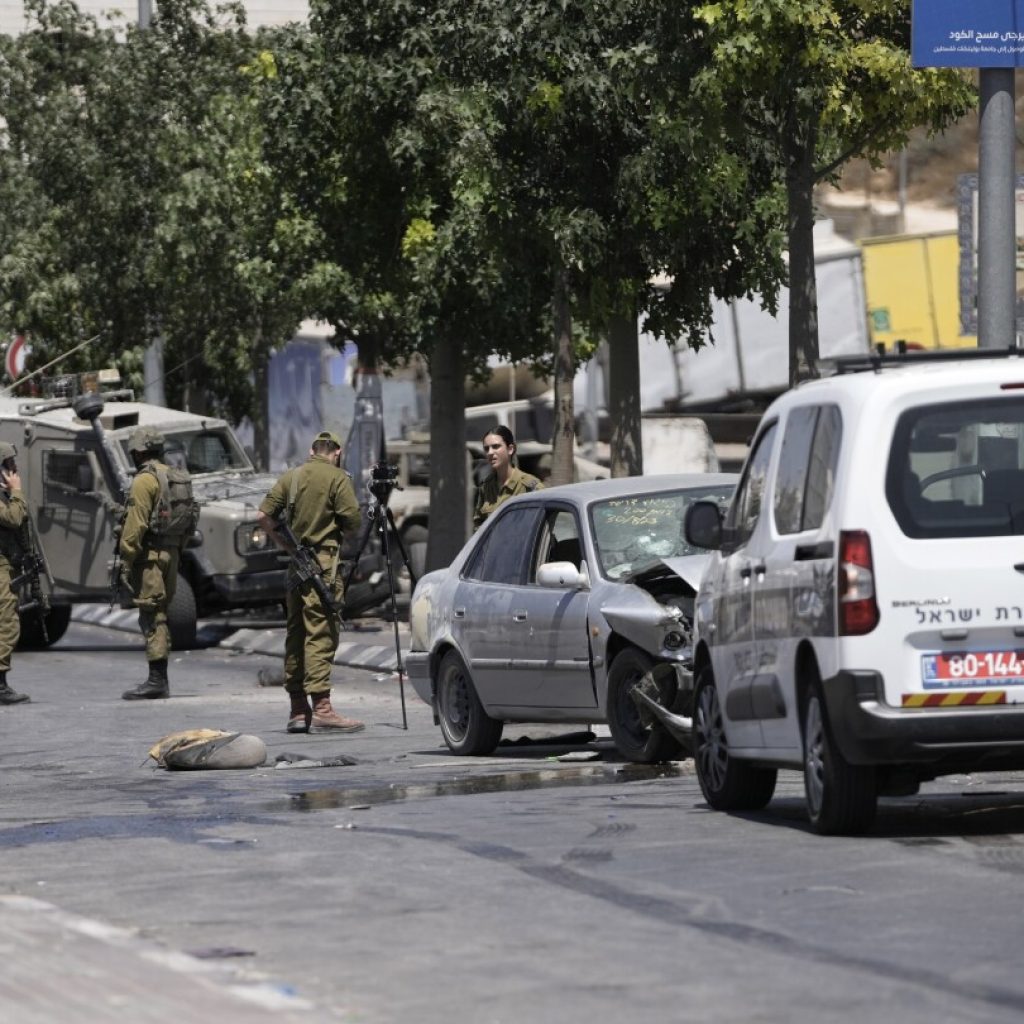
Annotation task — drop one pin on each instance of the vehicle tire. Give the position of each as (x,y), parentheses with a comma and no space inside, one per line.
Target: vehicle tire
(637,737)
(727,784)
(841,797)
(466,727)
(58,618)
(181,616)
(414,540)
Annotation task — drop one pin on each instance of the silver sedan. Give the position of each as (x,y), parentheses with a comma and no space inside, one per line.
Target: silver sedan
(572,604)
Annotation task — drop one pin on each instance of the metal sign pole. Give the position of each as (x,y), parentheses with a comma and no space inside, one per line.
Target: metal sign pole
(997,234)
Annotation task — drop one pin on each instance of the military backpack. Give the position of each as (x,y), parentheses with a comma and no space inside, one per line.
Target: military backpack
(176,512)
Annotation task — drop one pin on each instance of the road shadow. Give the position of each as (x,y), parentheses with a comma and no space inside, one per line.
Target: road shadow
(918,820)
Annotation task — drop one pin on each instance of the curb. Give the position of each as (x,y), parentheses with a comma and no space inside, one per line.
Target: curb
(354,654)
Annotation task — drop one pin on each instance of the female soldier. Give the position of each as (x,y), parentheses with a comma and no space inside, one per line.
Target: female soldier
(505,478)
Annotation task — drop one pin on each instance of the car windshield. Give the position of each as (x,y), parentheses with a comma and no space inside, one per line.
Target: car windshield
(209,450)
(640,529)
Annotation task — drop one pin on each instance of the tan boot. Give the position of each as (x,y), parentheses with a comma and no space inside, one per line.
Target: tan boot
(326,719)
(300,714)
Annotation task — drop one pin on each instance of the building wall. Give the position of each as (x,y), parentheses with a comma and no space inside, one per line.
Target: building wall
(259,12)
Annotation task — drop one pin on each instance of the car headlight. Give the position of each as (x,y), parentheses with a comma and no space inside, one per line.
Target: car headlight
(251,538)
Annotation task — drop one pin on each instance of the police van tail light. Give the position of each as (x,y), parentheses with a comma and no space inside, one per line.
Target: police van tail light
(858,609)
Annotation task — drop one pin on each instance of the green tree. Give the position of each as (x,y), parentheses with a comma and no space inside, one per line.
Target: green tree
(596,157)
(817,82)
(382,137)
(140,204)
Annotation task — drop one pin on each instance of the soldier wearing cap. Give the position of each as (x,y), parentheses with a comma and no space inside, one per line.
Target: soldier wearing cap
(319,504)
(150,565)
(13,514)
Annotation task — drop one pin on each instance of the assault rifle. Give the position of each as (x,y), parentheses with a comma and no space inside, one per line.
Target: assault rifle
(306,567)
(117,562)
(31,565)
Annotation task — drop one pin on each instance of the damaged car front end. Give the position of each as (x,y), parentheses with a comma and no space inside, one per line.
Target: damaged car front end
(571,605)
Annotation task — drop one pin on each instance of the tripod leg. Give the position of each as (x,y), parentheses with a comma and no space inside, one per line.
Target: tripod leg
(382,525)
(401,547)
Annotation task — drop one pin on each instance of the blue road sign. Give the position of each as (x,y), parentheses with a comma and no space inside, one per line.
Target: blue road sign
(967,33)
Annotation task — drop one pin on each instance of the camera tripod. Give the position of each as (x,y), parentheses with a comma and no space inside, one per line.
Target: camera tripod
(381,520)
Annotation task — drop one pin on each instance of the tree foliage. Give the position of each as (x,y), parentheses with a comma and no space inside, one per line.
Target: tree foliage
(815,83)
(138,201)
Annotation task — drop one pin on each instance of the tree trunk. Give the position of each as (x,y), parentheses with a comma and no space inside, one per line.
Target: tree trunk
(624,396)
(449,517)
(565,369)
(803,293)
(261,407)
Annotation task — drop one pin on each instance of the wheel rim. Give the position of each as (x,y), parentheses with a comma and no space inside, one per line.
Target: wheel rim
(454,700)
(628,712)
(712,749)
(814,756)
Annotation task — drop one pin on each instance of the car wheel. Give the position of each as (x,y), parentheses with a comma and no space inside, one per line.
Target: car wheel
(466,727)
(841,797)
(181,616)
(58,618)
(727,784)
(636,735)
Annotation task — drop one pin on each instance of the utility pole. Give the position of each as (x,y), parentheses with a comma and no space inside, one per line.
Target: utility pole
(153,359)
(997,231)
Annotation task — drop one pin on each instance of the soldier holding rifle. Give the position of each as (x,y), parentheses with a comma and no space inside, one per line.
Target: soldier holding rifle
(13,516)
(317,504)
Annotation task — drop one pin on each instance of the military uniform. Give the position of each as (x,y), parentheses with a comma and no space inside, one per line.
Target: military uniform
(13,515)
(490,495)
(149,563)
(319,504)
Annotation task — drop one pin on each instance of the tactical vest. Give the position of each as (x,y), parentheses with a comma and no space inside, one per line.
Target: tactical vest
(175,512)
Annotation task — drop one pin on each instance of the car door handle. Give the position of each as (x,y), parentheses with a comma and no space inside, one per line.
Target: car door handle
(811,552)
(459,613)
(519,615)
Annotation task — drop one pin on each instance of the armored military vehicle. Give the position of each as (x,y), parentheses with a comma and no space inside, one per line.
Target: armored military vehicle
(72,452)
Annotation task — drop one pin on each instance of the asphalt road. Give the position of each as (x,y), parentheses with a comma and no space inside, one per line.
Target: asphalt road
(415,886)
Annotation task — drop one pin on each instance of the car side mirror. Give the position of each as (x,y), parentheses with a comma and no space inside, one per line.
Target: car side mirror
(702,525)
(558,575)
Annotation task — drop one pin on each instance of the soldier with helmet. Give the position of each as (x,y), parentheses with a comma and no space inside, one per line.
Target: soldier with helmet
(159,518)
(13,515)
(319,504)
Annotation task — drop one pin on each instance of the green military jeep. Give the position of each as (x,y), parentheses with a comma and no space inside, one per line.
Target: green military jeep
(75,469)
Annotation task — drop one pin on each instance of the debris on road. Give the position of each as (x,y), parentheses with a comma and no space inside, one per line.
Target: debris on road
(209,749)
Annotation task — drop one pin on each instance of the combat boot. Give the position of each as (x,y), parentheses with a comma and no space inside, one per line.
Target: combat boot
(9,696)
(300,714)
(155,687)
(326,719)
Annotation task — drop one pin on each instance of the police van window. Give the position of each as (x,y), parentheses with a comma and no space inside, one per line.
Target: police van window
(821,473)
(807,468)
(559,541)
(507,547)
(746,508)
(957,470)
(791,478)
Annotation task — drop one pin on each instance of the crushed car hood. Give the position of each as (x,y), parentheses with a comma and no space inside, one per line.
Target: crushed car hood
(689,568)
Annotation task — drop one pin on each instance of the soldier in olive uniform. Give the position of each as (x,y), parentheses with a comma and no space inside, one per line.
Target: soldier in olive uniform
(13,514)
(149,563)
(319,504)
(505,479)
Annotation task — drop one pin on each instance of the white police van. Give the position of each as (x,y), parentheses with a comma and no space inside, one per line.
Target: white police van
(863,615)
